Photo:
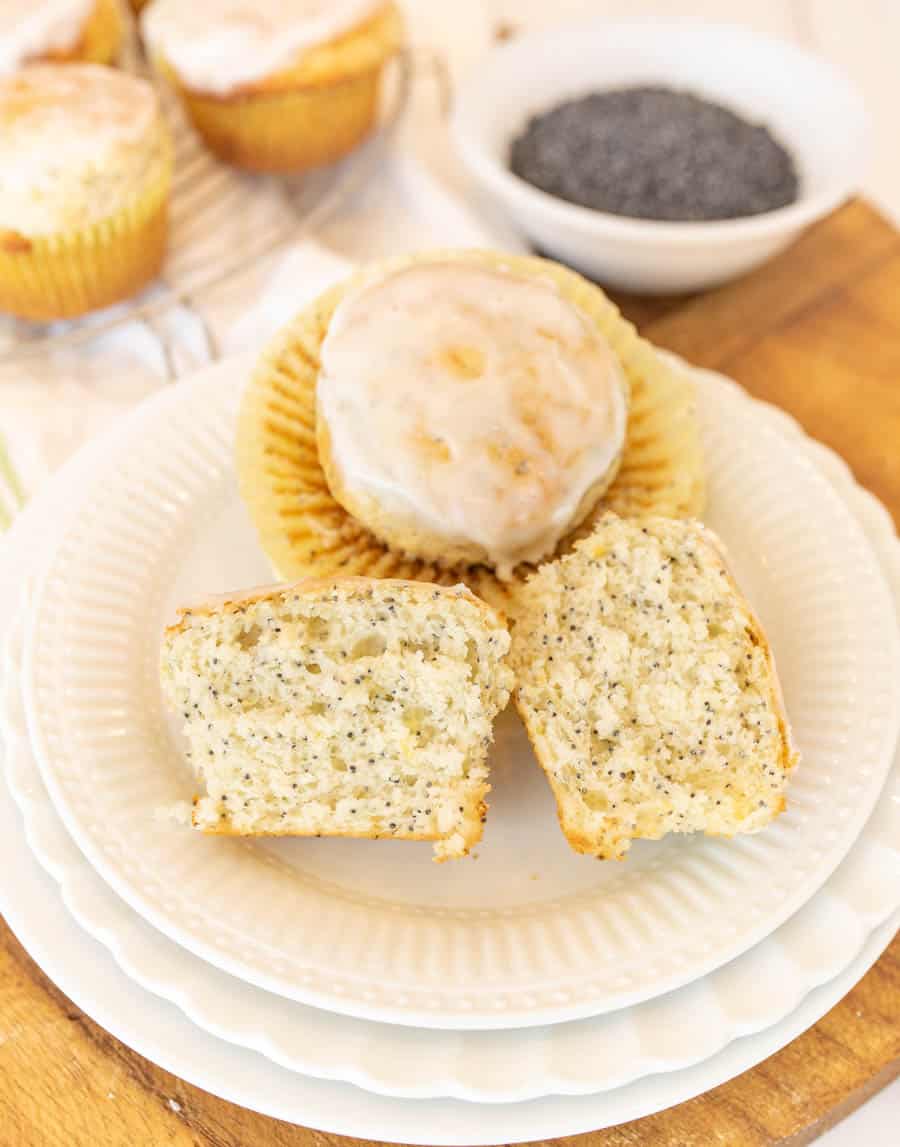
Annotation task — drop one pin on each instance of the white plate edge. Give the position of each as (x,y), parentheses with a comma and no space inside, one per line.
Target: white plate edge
(444,1019)
(840,476)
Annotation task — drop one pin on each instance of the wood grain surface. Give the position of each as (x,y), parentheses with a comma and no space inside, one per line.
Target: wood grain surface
(818,333)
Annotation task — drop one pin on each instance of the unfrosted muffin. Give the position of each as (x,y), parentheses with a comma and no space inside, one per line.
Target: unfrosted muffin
(85,166)
(44,31)
(518,439)
(276,85)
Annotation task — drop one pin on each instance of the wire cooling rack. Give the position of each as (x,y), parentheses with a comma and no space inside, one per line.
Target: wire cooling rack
(222,222)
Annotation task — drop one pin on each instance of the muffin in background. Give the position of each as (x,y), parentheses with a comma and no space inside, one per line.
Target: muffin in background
(58,31)
(276,85)
(85,171)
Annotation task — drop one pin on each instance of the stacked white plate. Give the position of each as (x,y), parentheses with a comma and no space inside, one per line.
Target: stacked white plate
(355,986)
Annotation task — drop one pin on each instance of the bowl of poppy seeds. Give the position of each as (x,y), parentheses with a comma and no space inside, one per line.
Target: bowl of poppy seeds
(659,158)
(655,153)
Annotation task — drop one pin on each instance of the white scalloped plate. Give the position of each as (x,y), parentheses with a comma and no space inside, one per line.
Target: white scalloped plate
(530,933)
(89,977)
(568,1059)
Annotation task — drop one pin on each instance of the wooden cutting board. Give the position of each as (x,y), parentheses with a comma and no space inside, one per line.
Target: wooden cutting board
(818,333)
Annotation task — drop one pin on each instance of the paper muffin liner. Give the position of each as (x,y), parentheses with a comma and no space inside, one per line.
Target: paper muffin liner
(306,532)
(102,37)
(100,40)
(69,274)
(287,131)
(304,117)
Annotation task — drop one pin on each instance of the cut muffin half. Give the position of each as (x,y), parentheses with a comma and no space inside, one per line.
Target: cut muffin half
(347,707)
(649,690)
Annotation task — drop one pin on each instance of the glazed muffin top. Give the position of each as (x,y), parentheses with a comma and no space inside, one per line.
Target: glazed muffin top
(77,142)
(466,411)
(36,28)
(219,46)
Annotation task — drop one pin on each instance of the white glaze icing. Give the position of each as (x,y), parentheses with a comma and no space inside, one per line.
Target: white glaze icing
(218,46)
(30,29)
(74,139)
(471,403)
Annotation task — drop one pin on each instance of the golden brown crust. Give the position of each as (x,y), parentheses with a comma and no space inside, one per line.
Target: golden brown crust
(14,243)
(576,840)
(224,828)
(288,130)
(789,756)
(302,117)
(309,587)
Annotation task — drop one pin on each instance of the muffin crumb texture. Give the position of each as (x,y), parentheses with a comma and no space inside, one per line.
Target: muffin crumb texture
(648,689)
(347,708)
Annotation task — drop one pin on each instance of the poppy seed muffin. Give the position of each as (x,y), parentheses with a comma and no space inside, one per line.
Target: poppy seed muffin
(468,413)
(351,707)
(649,690)
(284,448)
(85,164)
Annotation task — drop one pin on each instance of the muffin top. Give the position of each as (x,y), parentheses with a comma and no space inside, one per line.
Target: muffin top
(218,46)
(76,142)
(465,408)
(30,29)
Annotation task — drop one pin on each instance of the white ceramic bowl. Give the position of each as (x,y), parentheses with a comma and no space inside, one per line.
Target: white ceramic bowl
(810,106)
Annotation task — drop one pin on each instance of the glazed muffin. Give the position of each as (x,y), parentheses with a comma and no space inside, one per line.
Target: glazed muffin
(459,417)
(466,414)
(85,168)
(61,31)
(278,85)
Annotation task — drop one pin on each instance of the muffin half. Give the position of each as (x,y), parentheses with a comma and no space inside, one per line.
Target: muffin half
(85,168)
(276,86)
(649,689)
(309,520)
(345,707)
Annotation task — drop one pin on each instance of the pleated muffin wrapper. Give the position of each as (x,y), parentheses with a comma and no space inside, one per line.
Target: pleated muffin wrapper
(99,42)
(306,532)
(304,117)
(71,273)
(102,37)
